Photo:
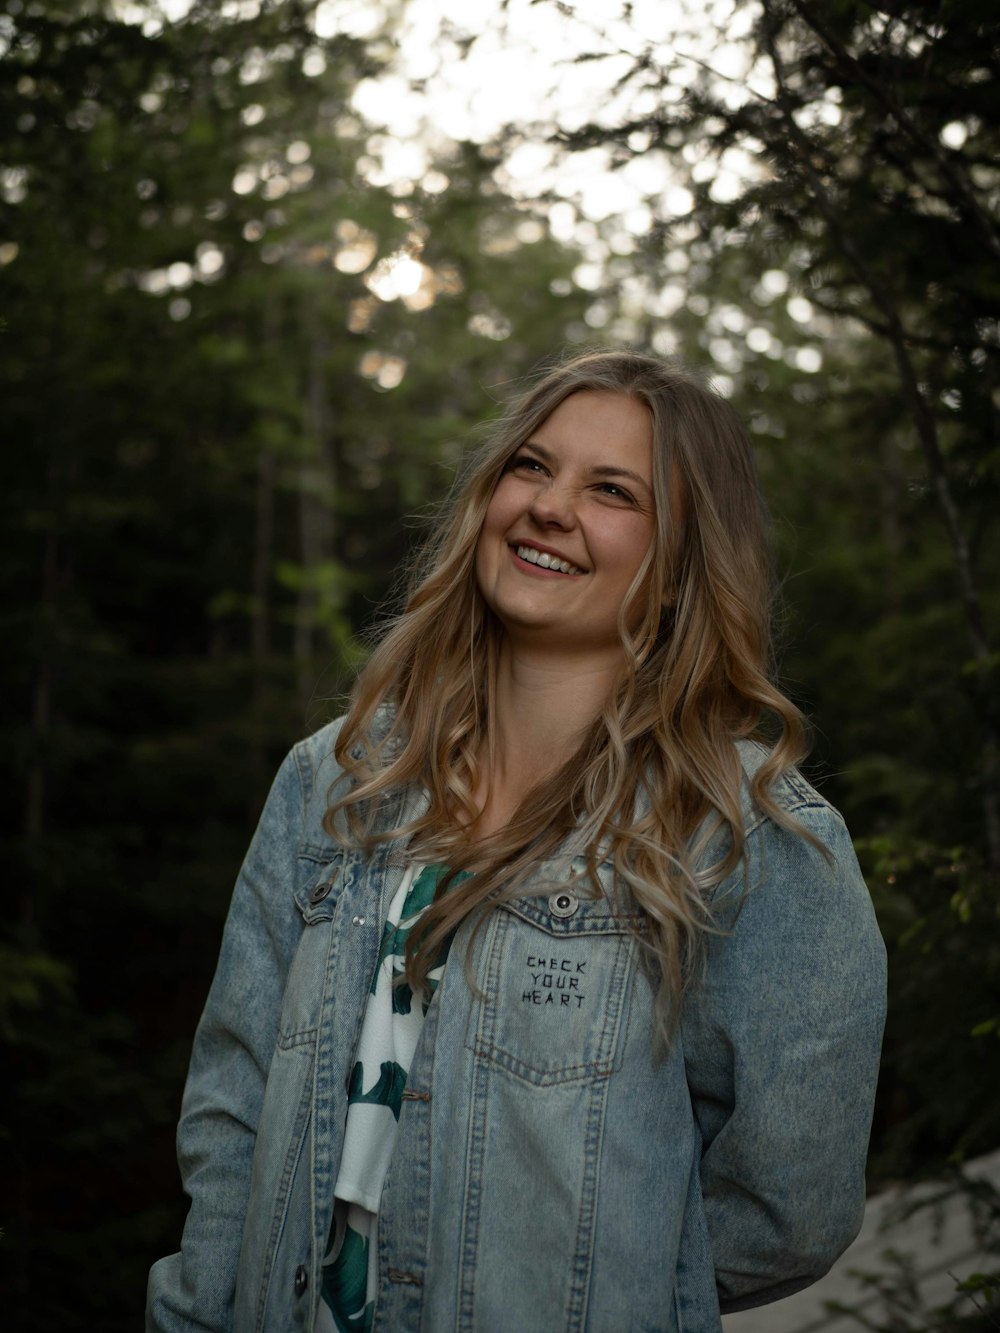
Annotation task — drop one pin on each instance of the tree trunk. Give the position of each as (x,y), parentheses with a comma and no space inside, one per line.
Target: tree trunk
(317,479)
(41,706)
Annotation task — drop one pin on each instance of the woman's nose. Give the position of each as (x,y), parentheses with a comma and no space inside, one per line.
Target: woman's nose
(554,505)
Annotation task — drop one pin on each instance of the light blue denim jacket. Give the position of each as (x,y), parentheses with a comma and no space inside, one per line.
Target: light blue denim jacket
(549,1173)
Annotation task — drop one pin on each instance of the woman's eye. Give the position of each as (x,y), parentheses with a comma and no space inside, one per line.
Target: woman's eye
(615,491)
(525,463)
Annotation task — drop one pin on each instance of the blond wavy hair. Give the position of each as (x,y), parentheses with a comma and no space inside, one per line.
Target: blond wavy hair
(658,775)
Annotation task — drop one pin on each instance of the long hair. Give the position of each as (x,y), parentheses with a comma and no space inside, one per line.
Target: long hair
(657,776)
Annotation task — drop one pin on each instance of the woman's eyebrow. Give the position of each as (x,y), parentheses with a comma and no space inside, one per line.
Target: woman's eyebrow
(539,449)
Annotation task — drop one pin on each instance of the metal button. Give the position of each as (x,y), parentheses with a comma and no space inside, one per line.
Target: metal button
(357,920)
(564,903)
(321,890)
(301,1280)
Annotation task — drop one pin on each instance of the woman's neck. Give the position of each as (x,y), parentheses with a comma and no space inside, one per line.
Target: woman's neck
(542,709)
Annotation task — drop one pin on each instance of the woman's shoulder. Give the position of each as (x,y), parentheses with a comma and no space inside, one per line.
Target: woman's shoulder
(315,755)
(313,761)
(799,880)
(317,749)
(790,792)
(320,774)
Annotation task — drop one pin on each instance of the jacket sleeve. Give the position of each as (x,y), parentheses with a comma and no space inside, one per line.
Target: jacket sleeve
(781,1044)
(232,1052)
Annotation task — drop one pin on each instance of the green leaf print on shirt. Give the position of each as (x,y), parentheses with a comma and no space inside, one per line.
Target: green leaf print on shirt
(402,998)
(388,1091)
(345,1282)
(394,936)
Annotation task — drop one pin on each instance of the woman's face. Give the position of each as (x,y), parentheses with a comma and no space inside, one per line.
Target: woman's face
(569,524)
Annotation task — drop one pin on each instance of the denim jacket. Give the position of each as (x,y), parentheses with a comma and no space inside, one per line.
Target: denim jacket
(550,1173)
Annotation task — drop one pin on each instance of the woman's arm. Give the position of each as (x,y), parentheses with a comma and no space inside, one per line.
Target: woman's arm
(232,1052)
(782,1046)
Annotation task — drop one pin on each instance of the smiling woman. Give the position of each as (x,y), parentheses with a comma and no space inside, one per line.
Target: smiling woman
(577,500)
(550,989)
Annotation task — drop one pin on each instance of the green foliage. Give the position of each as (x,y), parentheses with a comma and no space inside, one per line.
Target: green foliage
(213,427)
(939,915)
(218,406)
(27,982)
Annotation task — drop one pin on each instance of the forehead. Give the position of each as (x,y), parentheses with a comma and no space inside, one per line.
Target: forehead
(601,429)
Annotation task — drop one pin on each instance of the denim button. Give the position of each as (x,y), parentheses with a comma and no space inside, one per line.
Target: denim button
(321,890)
(564,903)
(301,1280)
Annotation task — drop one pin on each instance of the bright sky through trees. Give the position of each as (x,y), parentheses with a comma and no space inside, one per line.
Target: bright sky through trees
(465,69)
(518,76)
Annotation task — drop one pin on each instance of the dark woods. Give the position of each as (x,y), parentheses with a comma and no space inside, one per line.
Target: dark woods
(233,357)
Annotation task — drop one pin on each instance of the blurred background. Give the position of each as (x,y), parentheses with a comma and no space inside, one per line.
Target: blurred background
(265,268)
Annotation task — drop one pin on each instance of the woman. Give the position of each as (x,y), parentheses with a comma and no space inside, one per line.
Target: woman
(550,997)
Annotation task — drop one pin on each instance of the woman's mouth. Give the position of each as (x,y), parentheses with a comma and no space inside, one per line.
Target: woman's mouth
(544,560)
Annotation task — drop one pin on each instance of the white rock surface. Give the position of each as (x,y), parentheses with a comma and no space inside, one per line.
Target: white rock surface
(940,1241)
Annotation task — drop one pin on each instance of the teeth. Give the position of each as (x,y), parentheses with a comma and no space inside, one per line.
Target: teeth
(545,561)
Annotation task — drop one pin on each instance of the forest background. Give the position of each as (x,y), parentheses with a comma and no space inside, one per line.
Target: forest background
(239,347)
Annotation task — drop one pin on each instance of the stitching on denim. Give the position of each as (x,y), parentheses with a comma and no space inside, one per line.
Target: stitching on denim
(580,924)
(316,851)
(472,1203)
(289,1040)
(283,1194)
(600,1069)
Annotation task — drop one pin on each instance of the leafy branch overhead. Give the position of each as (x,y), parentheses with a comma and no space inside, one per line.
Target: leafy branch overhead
(863,144)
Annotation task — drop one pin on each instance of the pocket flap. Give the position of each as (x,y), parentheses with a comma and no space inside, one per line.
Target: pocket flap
(320,883)
(568,911)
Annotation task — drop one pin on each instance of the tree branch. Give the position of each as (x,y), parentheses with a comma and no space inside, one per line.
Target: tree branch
(926,426)
(929,145)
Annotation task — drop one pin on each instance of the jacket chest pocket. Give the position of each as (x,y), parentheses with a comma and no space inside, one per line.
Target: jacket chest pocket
(316,901)
(555,972)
